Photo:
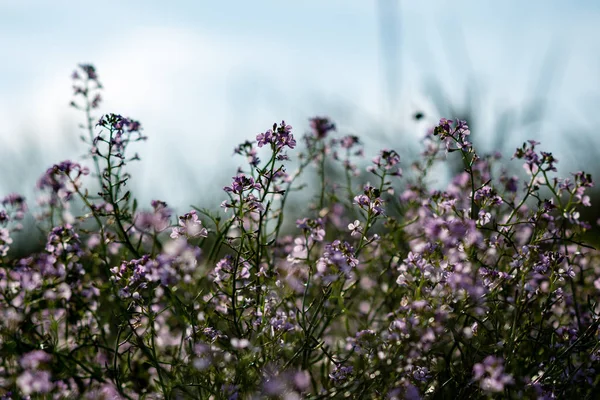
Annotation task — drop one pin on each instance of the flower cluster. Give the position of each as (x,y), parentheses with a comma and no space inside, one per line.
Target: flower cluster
(63,179)
(279,137)
(485,286)
(321,126)
(86,85)
(14,210)
(370,201)
(490,375)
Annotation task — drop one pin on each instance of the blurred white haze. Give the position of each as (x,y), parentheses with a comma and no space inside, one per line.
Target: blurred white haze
(202,76)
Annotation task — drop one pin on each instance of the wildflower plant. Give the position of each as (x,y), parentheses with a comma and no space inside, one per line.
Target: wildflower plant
(380,287)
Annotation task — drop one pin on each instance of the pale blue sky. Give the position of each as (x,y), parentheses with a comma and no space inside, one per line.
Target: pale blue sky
(204,75)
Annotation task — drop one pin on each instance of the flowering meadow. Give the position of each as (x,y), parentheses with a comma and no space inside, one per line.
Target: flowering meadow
(379,287)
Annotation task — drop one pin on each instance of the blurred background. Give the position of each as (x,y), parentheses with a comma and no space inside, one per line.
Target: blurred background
(203,76)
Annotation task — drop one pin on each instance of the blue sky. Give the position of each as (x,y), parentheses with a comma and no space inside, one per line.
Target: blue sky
(202,76)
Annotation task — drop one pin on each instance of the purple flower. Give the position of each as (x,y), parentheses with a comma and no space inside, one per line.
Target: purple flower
(212,334)
(445,125)
(96,101)
(5,240)
(453,133)
(30,382)
(264,138)
(321,126)
(362,200)
(16,201)
(490,375)
(177,262)
(302,380)
(119,124)
(190,226)
(511,184)
(242,183)
(157,220)
(280,322)
(421,374)
(347,142)
(84,88)
(225,267)
(249,151)
(63,240)
(4,217)
(63,179)
(314,228)
(90,71)
(337,258)
(387,160)
(370,201)
(363,342)
(341,373)
(280,136)
(533,160)
(33,359)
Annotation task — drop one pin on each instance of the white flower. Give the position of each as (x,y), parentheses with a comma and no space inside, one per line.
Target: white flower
(355,228)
